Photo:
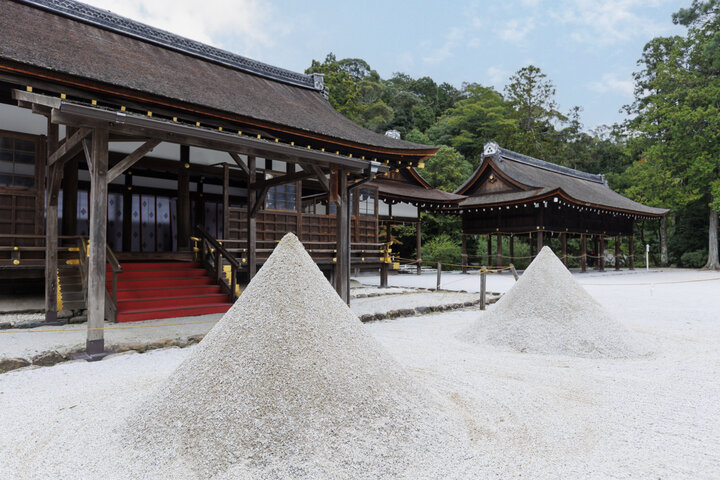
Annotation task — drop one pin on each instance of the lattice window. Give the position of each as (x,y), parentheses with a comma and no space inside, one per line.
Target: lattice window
(17,162)
(281,197)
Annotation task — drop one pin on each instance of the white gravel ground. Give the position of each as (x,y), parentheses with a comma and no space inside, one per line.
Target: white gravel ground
(531,416)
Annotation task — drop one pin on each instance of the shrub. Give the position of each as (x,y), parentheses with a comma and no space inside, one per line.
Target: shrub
(695,259)
(441,248)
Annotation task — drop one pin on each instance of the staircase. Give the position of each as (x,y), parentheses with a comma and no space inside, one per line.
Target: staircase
(149,291)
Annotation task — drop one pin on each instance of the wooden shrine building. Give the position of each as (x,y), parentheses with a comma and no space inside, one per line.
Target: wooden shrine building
(150,145)
(511,194)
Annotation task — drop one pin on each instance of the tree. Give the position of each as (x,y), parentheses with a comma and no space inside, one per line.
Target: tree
(677,108)
(481,116)
(355,90)
(532,97)
(447,170)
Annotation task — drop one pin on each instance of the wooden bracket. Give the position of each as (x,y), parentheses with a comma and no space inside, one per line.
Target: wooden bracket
(240,163)
(132,159)
(260,200)
(333,185)
(69,148)
(319,174)
(87,148)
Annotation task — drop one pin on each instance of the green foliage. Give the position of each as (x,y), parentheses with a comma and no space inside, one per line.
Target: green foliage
(355,90)
(442,248)
(447,170)
(694,259)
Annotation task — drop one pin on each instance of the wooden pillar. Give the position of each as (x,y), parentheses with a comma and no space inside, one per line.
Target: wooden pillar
(631,251)
(563,243)
(532,246)
(583,252)
(512,248)
(199,205)
(418,241)
(251,225)
(184,228)
(464,252)
(51,228)
(498,261)
(70,193)
(663,242)
(539,241)
(617,252)
(601,253)
(127,214)
(226,200)
(343,239)
(98,240)
(488,259)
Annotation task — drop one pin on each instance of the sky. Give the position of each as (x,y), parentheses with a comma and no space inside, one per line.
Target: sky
(587,48)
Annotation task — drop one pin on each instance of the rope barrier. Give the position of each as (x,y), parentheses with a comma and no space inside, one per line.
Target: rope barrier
(124,327)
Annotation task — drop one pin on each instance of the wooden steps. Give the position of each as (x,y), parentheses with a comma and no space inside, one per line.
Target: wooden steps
(149,291)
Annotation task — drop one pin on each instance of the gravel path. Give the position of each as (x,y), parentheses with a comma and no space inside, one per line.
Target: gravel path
(530,415)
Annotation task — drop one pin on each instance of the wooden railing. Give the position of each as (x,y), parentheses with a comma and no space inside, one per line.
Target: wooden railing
(321,252)
(212,255)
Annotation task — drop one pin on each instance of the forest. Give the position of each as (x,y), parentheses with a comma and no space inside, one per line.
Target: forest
(666,153)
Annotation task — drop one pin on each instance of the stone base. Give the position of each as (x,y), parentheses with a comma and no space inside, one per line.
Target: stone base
(91,357)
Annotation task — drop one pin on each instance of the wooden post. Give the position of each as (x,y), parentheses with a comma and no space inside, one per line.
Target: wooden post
(343,239)
(98,233)
(226,200)
(583,252)
(512,248)
(601,253)
(464,253)
(251,225)
(384,274)
(51,229)
(184,228)
(539,241)
(563,243)
(631,248)
(127,214)
(663,242)
(498,261)
(439,276)
(418,240)
(617,252)
(532,246)
(489,250)
(70,192)
(483,288)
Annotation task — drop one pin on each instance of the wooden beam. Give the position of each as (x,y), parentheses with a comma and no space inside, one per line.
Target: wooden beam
(240,163)
(259,201)
(127,215)
(69,148)
(132,159)
(98,240)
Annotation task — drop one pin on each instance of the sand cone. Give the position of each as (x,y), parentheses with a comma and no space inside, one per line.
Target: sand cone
(548,311)
(287,384)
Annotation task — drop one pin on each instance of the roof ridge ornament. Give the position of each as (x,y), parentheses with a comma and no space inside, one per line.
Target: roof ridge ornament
(125,26)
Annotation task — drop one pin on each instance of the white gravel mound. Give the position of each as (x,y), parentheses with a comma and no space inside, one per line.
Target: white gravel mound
(289,384)
(547,311)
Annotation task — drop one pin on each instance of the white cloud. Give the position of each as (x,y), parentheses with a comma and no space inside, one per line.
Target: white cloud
(496,75)
(612,83)
(453,40)
(516,30)
(608,22)
(248,24)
